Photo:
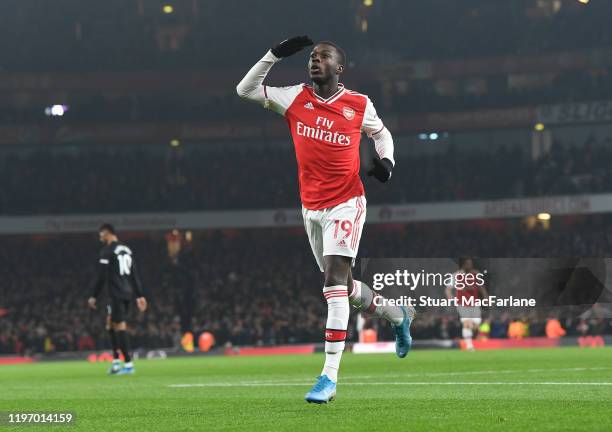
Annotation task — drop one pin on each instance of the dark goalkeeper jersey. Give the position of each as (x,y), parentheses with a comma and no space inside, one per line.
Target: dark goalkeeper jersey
(117,270)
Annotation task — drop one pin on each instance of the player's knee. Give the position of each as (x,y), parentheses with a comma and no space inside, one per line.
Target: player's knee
(349,280)
(333,280)
(337,269)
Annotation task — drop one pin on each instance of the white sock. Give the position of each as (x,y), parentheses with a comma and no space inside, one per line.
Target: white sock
(362,298)
(338,310)
(467,334)
(331,365)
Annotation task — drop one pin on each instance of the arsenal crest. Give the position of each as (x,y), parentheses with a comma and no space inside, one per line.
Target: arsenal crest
(349,113)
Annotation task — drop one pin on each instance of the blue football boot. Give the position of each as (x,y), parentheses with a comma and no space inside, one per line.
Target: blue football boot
(127,369)
(115,367)
(322,392)
(403,340)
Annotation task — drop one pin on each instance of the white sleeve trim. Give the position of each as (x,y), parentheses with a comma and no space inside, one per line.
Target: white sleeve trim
(371,124)
(383,142)
(279,99)
(374,128)
(251,87)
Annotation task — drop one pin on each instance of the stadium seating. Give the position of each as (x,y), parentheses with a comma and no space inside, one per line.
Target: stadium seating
(165,179)
(220,286)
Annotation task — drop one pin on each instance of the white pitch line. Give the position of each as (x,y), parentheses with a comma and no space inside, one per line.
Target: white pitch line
(299,381)
(453,383)
(483,372)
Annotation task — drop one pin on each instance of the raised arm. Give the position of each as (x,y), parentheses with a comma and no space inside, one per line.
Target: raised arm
(250,87)
(276,98)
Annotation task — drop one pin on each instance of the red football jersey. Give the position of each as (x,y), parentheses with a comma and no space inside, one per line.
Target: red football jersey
(326,135)
(470,286)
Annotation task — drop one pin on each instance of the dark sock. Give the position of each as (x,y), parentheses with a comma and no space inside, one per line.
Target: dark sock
(114,343)
(122,338)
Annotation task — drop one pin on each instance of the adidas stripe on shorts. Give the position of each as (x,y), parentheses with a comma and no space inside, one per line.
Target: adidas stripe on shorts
(335,230)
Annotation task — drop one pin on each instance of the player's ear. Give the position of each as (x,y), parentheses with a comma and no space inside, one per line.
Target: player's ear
(339,69)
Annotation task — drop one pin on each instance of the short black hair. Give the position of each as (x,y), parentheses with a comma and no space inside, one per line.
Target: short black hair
(107,227)
(464,259)
(338,49)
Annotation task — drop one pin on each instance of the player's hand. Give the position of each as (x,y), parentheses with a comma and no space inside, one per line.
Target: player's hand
(91,302)
(291,46)
(381,169)
(141,302)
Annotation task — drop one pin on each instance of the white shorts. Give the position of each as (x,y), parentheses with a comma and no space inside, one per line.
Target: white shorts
(335,230)
(470,313)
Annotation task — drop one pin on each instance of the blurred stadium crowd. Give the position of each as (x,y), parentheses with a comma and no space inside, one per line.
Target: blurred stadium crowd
(420,96)
(217,284)
(78,36)
(143,38)
(117,67)
(189,178)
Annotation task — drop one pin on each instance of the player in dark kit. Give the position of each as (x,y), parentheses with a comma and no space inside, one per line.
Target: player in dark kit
(118,271)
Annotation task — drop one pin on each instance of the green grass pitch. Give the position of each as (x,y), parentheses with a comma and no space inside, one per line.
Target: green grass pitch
(515,390)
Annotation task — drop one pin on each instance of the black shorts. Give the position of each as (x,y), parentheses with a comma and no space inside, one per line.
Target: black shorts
(118,309)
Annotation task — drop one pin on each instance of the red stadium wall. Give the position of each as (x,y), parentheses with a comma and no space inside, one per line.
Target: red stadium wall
(15,360)
(537,342)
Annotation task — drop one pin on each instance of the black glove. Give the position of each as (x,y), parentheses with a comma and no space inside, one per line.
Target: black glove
(291,46)
(381,169)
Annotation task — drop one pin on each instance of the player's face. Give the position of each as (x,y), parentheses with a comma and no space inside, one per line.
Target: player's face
(324,63)
(468,265)
(104,234)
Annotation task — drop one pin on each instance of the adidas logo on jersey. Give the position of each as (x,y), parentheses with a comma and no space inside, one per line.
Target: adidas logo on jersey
(309,105)
(342,243)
